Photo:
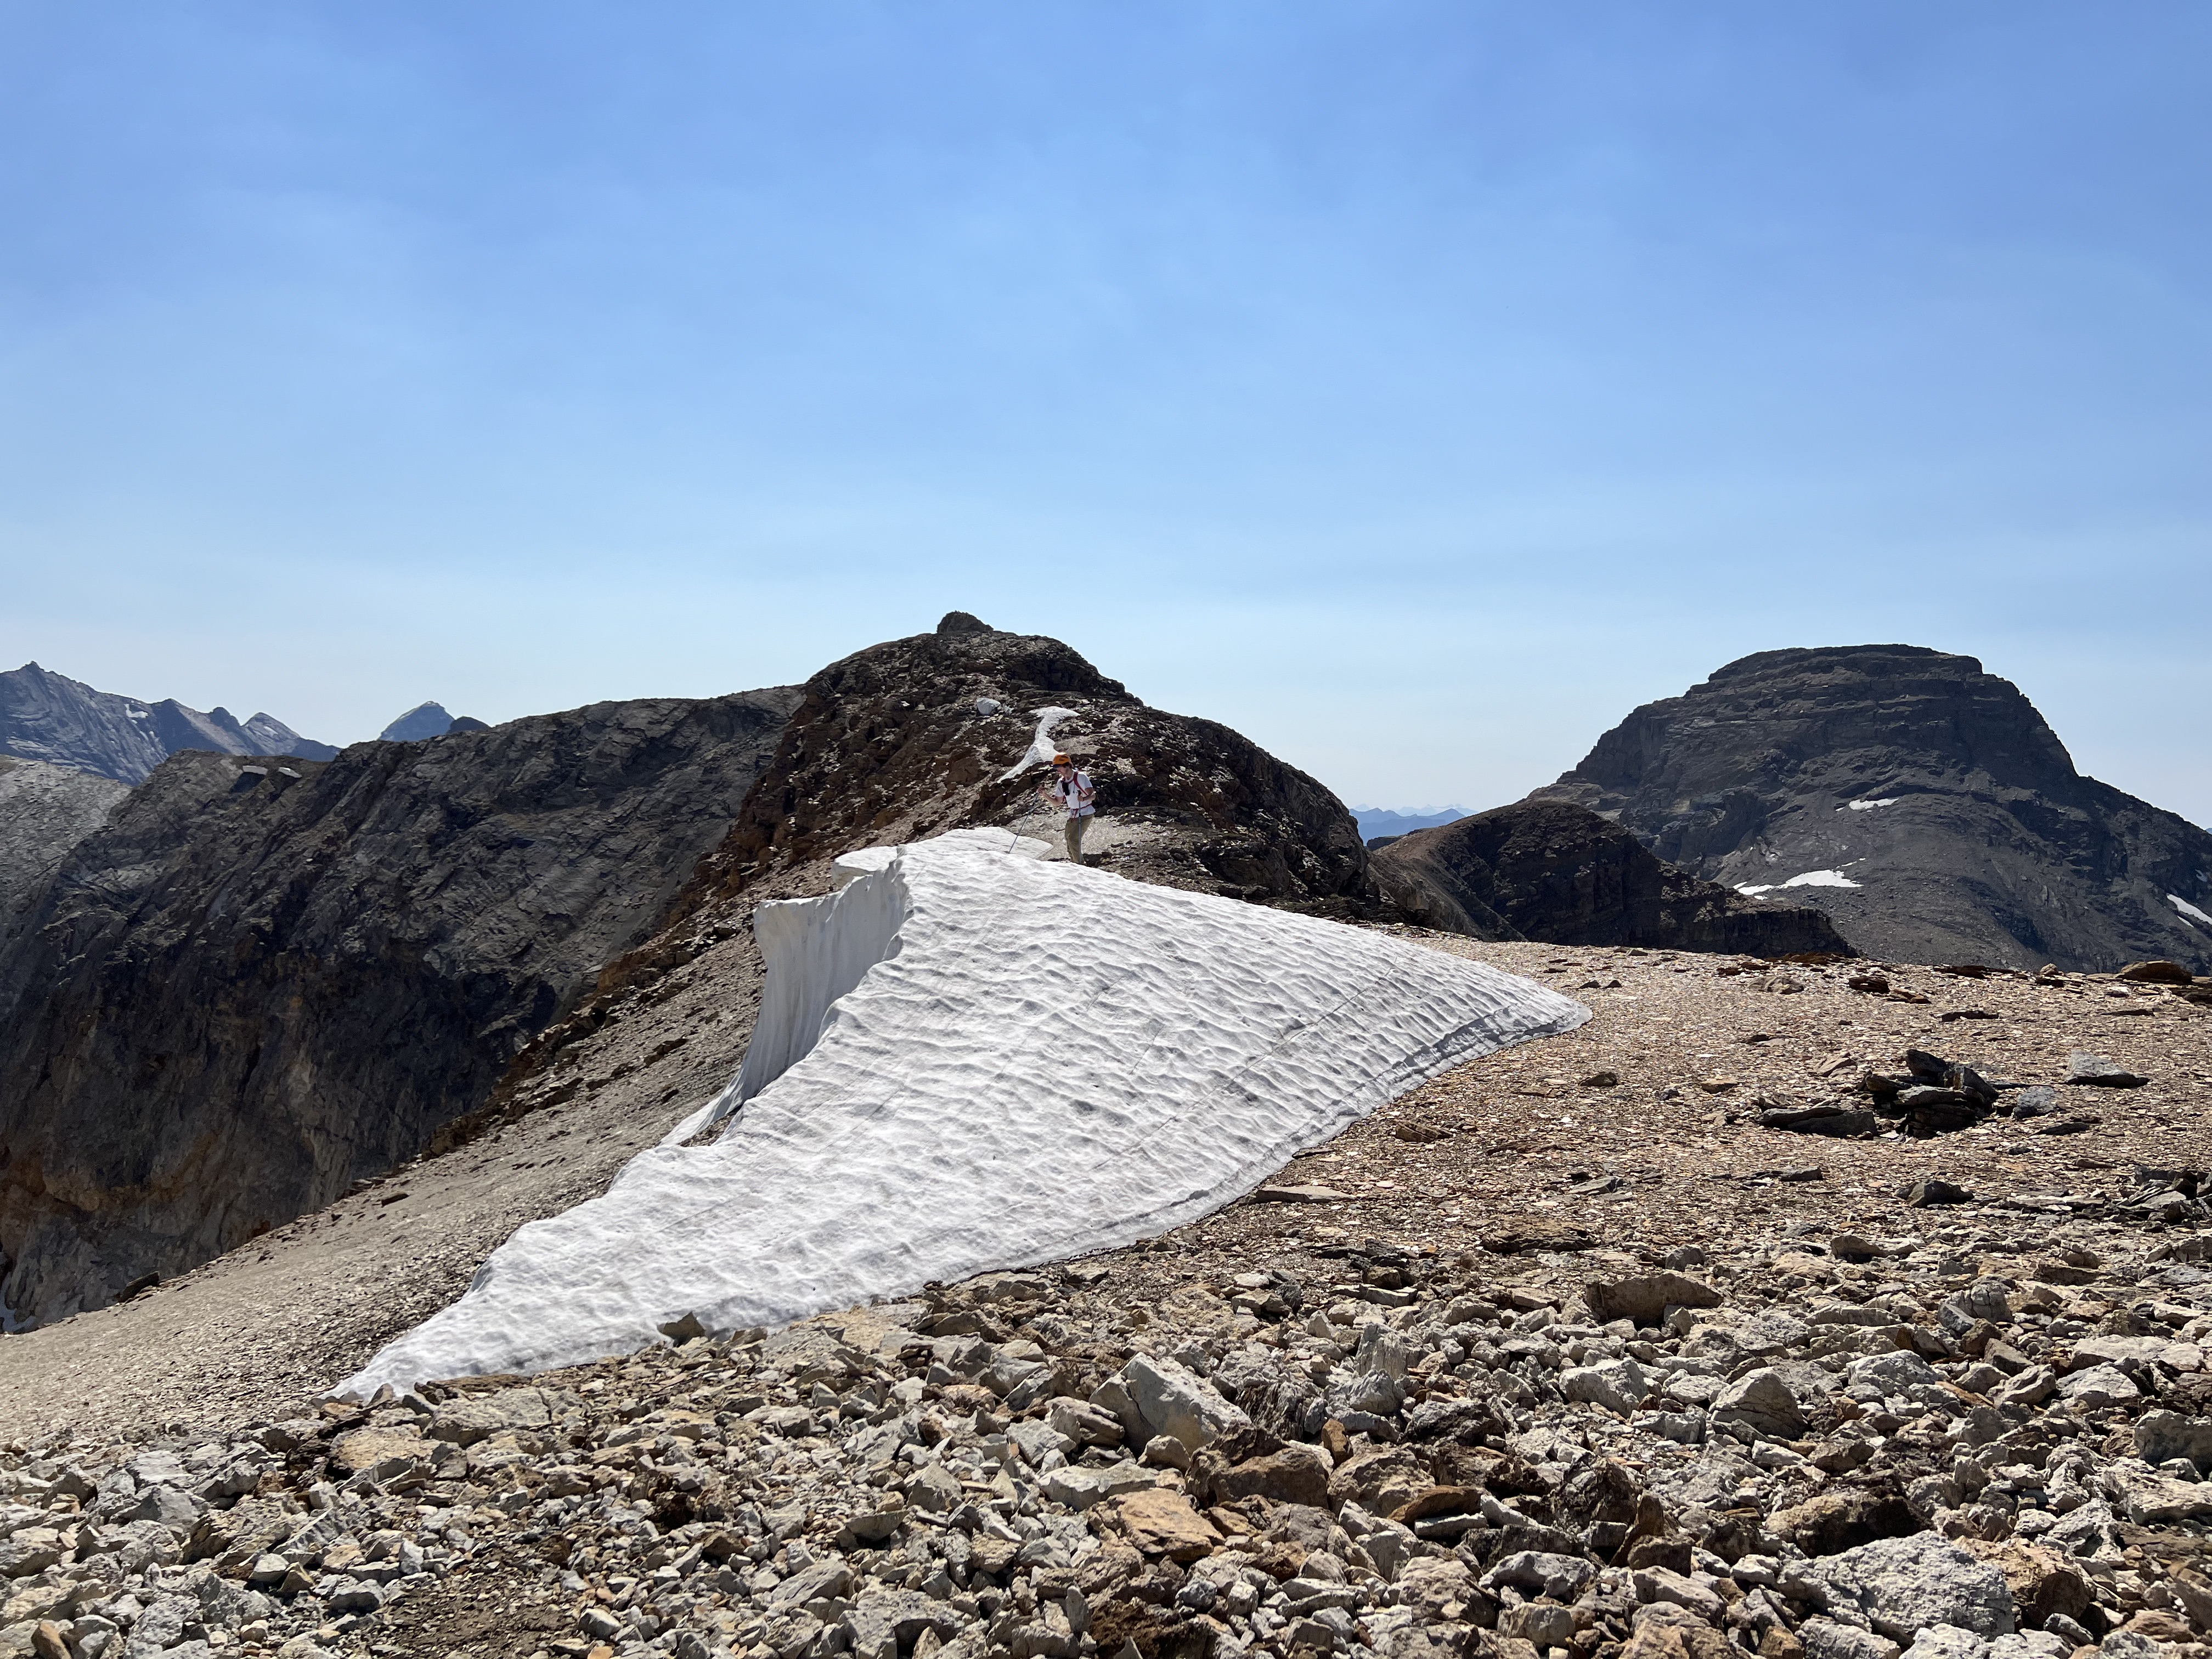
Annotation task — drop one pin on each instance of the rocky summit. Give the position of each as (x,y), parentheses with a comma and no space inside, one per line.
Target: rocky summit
(1556,872)
(918,735)
(1923,803)
(45,716)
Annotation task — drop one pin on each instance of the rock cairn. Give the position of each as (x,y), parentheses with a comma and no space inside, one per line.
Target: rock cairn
(1969,1444)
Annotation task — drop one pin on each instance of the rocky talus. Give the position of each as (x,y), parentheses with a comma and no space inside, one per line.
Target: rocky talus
(1979,1439)
(1923,803)
(1556,872)
(45,716)
(1567,1355)
(262,981)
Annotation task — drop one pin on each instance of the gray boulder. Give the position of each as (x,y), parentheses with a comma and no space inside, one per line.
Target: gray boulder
(1172,1399)
(1762,1401)
(1947,1642)
(2161,1434)
(1905,1585)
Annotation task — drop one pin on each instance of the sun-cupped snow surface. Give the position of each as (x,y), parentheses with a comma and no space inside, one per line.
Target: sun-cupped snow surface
(2189,909)
(1041,1060)
(1810,878)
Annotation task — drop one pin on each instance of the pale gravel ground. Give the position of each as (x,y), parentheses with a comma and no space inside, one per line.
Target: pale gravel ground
(258,1333)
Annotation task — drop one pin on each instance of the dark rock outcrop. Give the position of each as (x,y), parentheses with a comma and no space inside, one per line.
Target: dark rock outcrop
(895,743)
(1558,872)
(1921,802)
(50,717)
(260,983)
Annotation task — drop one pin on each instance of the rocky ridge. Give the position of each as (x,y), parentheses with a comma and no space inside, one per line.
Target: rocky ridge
(259,984)
(1923,804)
(45,716)
(915,736)
(1556,872)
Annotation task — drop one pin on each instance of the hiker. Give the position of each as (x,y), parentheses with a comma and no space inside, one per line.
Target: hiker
(1071,790)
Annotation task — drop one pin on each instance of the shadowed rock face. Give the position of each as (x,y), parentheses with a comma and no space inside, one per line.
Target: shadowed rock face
(250,990)
(1559,872)
(50,717)
(889,745)
(1936,788)
(45,811)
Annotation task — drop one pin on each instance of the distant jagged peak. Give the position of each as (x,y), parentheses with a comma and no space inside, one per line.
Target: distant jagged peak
(429,720)
(424,719)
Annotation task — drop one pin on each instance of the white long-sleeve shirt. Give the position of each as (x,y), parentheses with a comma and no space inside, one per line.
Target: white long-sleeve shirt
(1075,794)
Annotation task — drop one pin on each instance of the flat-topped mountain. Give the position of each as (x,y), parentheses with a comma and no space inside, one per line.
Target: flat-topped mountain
(50,717)
(1921,802)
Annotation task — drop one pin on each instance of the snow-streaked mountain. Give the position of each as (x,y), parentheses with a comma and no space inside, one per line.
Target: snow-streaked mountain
(44,716)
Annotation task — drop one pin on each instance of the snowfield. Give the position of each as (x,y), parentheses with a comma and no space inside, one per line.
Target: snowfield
(970,1059)
(1810,878)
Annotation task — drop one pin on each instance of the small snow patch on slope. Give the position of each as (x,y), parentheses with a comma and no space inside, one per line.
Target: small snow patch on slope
(1041,1060)
(1041,750)
(2189,910)
(1810,878)
(1869,806)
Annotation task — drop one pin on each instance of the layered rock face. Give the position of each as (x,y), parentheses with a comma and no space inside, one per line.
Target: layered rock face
(1558,872)
(1922,803)
(50,717)
(259,983)
(914,736)
(45,811)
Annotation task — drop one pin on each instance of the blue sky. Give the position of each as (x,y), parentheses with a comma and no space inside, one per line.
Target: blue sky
(1416,387)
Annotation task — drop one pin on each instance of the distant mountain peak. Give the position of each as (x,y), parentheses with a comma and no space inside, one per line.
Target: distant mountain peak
(1967,831)
(424,719)
(45,716)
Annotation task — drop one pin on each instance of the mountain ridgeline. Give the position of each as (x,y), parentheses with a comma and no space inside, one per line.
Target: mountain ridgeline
(1558,872)
(230,993)
(65,722)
